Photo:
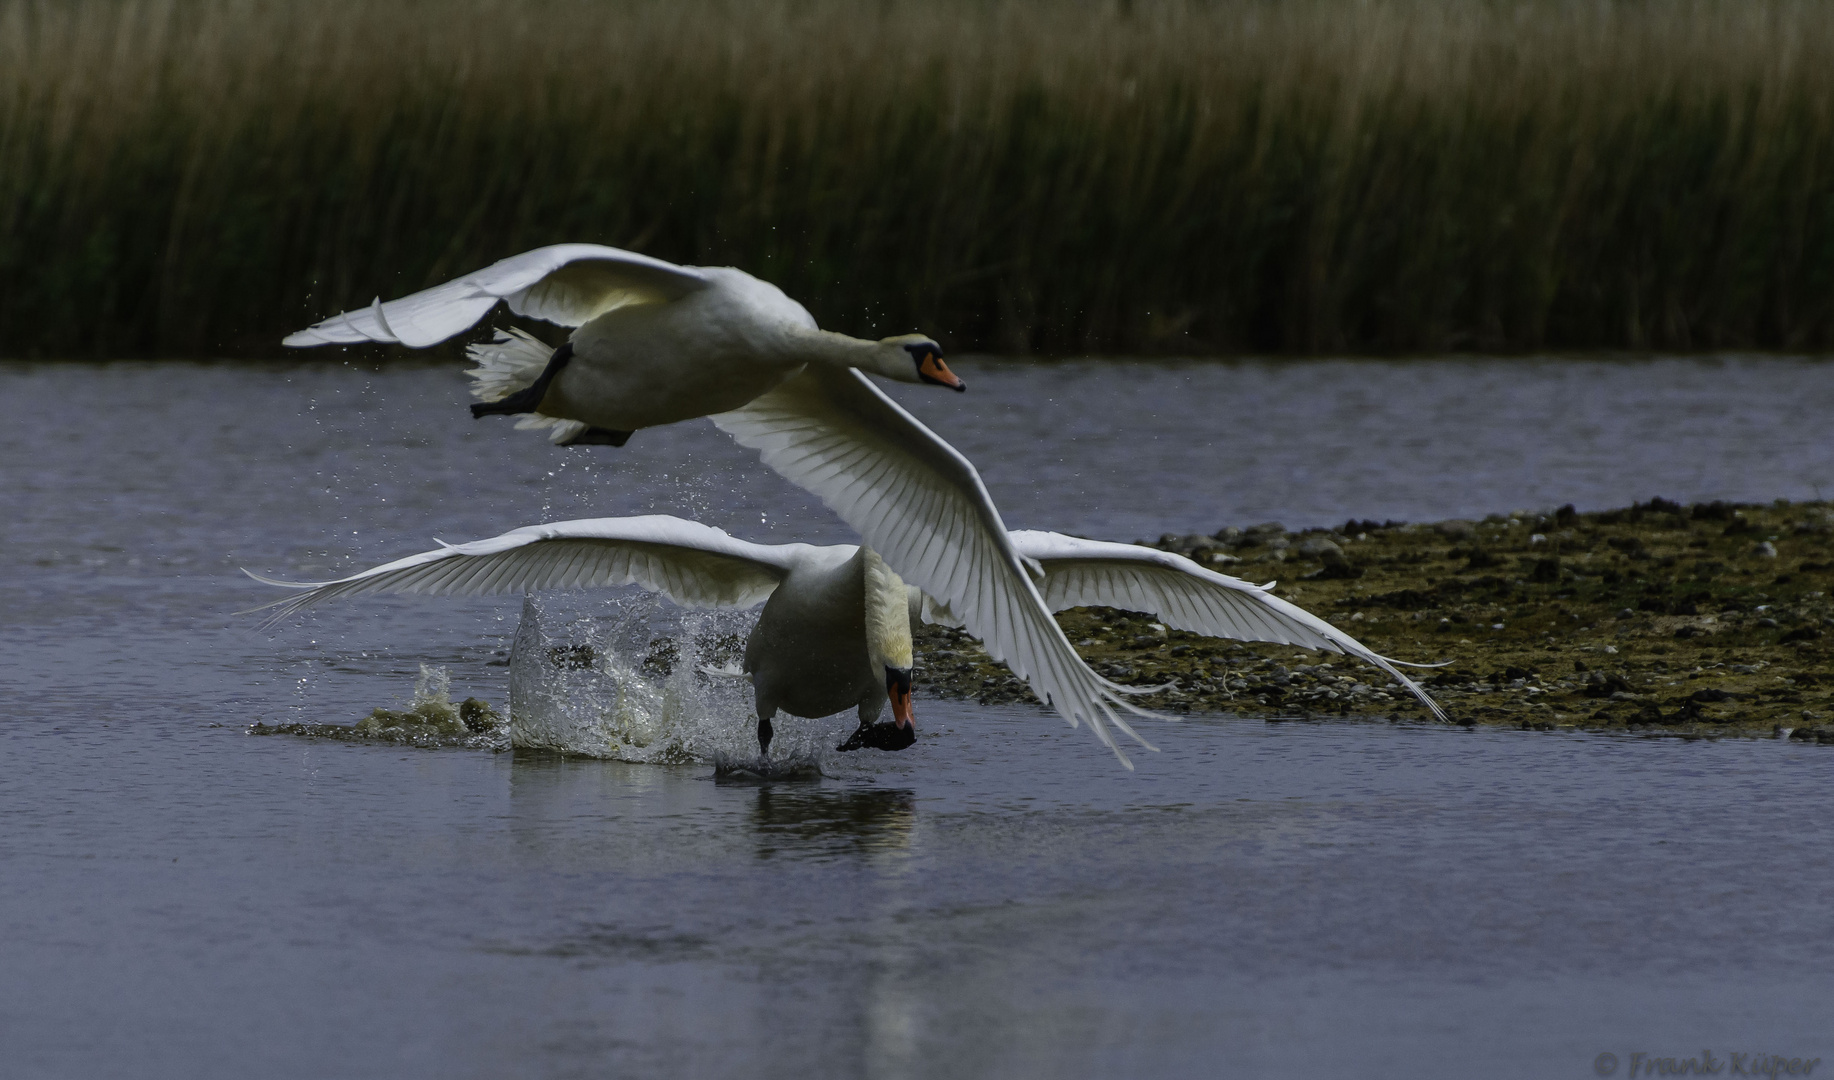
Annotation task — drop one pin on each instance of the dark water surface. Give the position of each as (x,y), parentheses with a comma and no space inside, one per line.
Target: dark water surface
(179,899)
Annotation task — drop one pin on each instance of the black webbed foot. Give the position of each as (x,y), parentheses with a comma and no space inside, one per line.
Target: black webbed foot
(881,736)
(527,399)
(599,436)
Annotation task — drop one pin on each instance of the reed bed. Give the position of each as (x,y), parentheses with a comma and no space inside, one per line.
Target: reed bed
(199,177)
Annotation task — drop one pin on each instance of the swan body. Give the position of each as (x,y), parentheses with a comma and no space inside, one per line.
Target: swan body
(835,629)
(656,343)
(653,344)
(826,640)
(741,333)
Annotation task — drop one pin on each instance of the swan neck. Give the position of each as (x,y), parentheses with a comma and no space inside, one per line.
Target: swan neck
(888,621)
(843,351)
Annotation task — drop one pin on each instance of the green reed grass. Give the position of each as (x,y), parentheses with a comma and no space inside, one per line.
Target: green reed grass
(200,177)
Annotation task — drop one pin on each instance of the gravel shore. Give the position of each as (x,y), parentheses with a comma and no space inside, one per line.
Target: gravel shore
(1711,619)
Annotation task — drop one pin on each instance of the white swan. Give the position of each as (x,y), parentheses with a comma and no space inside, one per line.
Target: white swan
(657,343)
(835,630)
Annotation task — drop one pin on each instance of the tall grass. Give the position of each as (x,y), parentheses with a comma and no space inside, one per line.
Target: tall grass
(199,177)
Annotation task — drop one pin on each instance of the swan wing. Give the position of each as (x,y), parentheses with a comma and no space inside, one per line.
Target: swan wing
(921,505)
(1185,596)
(566,284)
(694,565)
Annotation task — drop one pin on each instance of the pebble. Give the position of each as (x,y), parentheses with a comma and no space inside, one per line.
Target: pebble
(1192,542)
(1765,550)
(1317,547)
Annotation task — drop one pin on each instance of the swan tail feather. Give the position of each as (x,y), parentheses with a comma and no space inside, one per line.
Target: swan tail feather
(510,362)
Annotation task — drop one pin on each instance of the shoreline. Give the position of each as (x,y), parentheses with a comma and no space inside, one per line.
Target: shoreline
(1703,620)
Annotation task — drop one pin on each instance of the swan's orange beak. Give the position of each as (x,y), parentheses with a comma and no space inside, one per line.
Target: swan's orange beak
(898,688)
(931,369)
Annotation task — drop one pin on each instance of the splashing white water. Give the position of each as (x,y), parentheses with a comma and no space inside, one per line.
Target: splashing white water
(631,678)
(433,689)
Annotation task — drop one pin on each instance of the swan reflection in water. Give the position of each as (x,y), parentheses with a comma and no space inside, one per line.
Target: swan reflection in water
(802,821)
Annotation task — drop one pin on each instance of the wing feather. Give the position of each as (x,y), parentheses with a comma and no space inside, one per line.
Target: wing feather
(1186,596)
(921,505)
(565,284)
(692,564)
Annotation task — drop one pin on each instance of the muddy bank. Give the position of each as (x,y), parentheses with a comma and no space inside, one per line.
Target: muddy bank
(1700,620)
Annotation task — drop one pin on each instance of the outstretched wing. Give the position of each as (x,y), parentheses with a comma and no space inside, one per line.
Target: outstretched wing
(566,284)
(921,505)
(1185,596)
(694,565)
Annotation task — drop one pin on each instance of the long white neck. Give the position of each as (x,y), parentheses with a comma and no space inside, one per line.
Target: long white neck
(888,620)
(841,351)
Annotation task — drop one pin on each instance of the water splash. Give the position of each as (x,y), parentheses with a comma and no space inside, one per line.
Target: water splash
(632,678)
(433,691)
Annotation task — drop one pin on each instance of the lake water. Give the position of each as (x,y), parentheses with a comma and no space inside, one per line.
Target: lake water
(1354,899)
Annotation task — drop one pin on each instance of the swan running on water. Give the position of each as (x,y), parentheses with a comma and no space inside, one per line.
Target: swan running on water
(835,631)
(657,343)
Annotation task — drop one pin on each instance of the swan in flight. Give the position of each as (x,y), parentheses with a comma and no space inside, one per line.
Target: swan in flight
(835,631)
(653,344)
(656,343)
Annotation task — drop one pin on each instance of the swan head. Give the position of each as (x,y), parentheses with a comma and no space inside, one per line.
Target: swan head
(898,689)
(924,360)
